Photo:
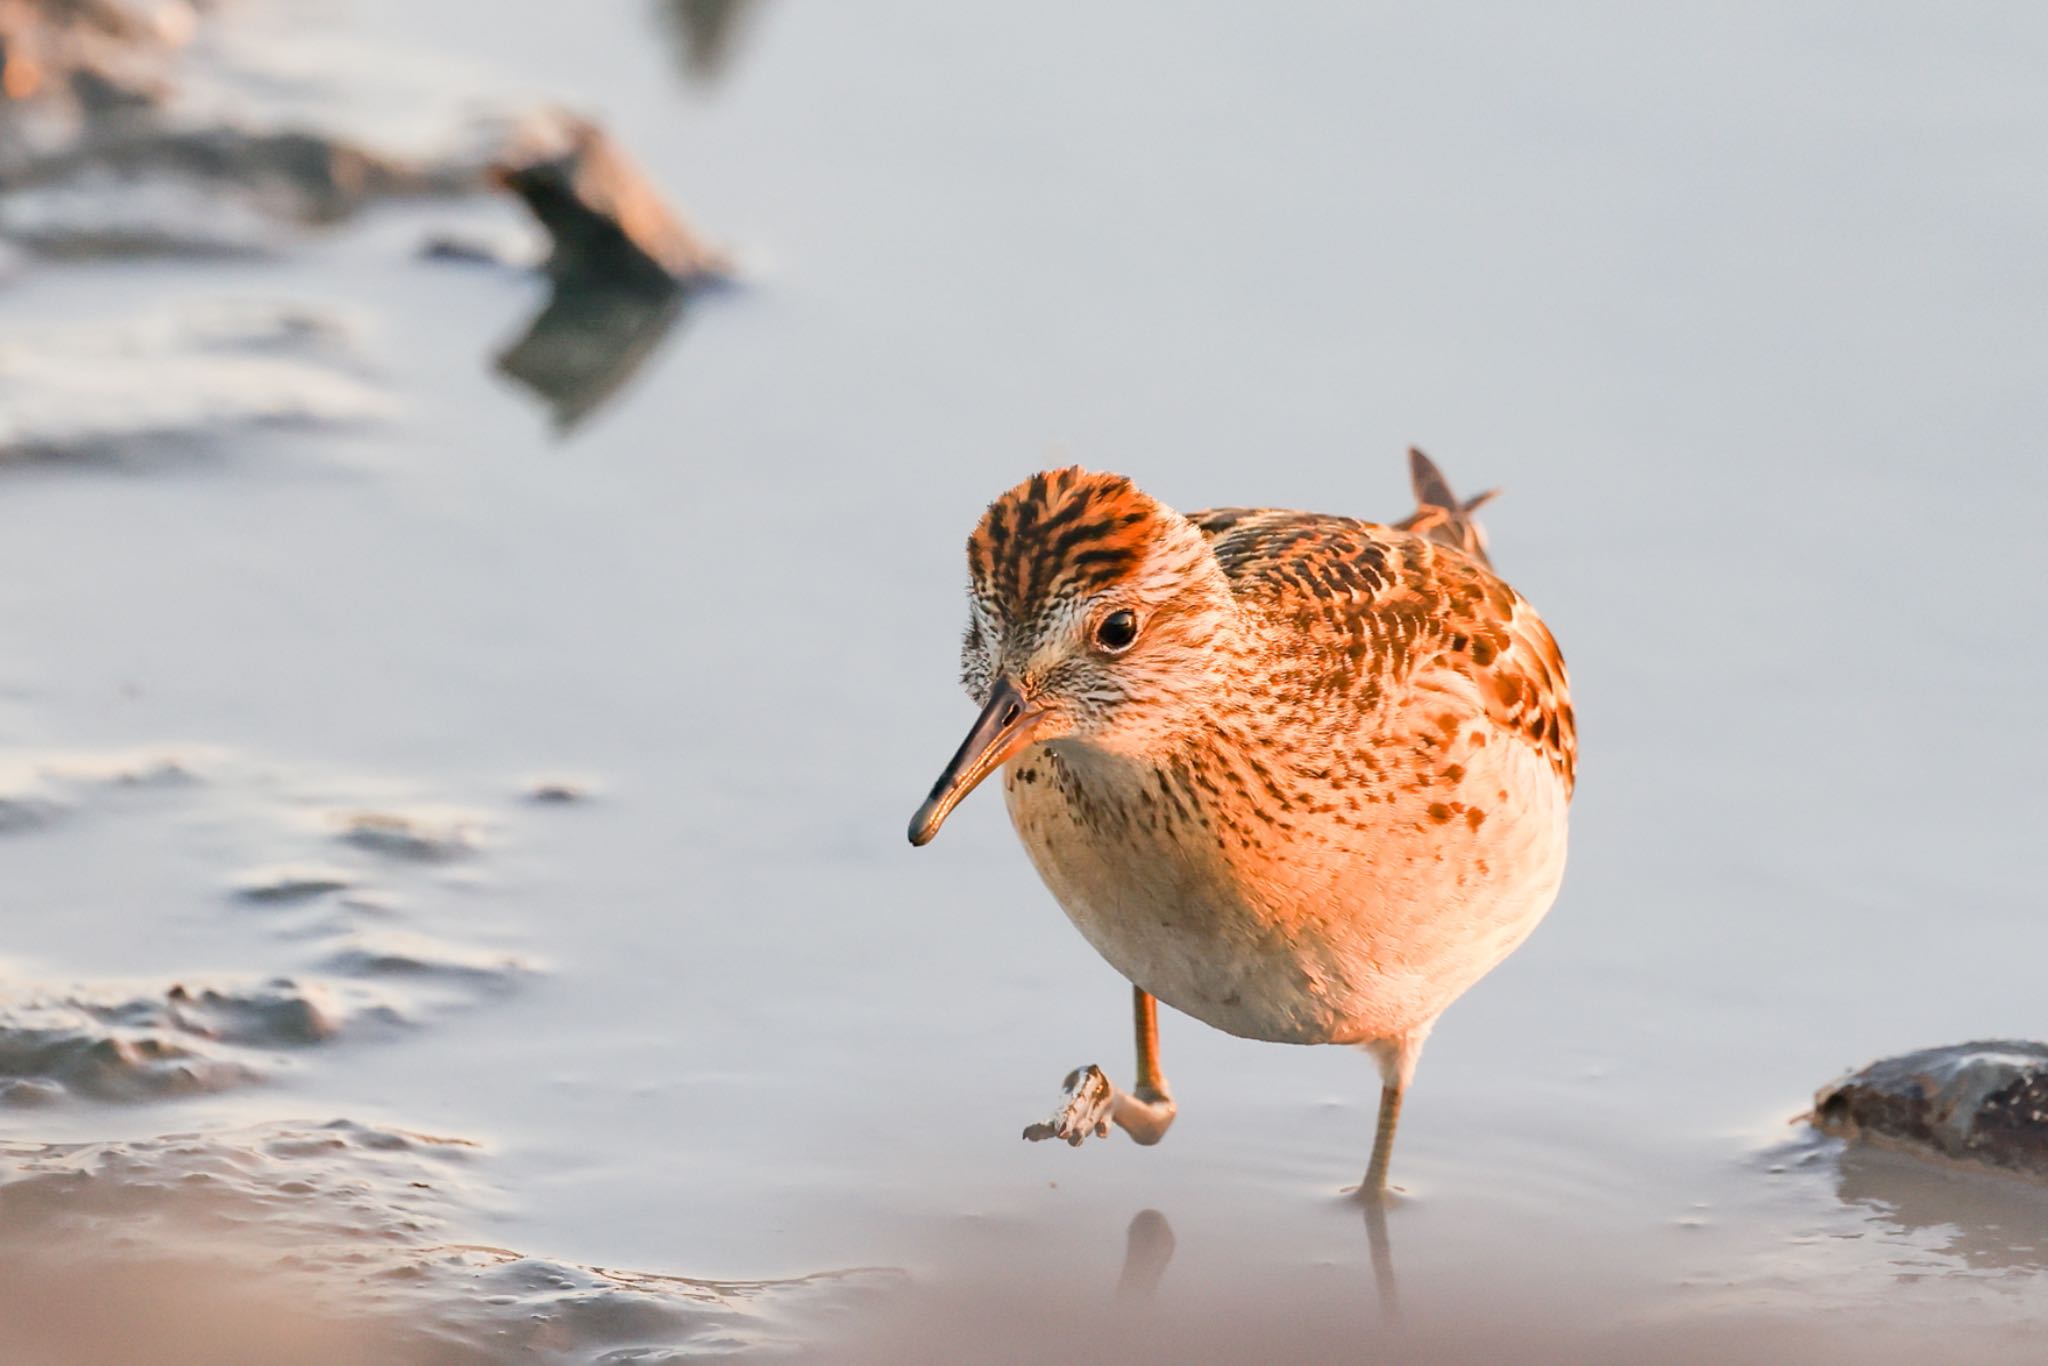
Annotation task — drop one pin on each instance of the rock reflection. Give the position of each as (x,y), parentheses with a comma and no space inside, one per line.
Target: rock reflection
(1991,1221)
(584,346)
(706,34)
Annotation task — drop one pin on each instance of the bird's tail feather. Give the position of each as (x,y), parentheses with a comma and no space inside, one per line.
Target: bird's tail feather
(1440,514)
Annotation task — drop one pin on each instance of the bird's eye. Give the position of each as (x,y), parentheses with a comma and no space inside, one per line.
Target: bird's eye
(1116,631)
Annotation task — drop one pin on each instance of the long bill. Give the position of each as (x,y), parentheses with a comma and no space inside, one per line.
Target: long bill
(1003,728)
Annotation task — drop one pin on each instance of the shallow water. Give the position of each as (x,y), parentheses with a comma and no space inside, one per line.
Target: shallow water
(1742,311)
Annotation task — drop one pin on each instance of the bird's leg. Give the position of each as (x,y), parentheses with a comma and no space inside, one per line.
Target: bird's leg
(1375,1188)
(1146,1111)
(1396,1058)
(1091,1101)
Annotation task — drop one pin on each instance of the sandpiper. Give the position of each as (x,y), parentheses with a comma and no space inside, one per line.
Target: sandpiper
(1302,777)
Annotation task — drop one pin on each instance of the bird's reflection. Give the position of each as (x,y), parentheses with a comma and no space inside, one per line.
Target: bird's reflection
(1382,1249)
(706,34)
(588,342)
(1149,1246)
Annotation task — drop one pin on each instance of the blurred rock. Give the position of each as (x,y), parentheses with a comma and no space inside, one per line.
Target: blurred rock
(103,153)
(63,60)
(609,225)
(707,33)
(622,266)
(1985,1103)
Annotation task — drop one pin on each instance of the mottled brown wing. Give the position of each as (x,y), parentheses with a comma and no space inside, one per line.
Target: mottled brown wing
(1376,608)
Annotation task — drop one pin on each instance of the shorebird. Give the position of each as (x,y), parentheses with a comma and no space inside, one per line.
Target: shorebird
(1302,777)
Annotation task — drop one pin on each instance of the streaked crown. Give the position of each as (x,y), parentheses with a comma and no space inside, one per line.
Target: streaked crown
(1056,557)
(1060,535)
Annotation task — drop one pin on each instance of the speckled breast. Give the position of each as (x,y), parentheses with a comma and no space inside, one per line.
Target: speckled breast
(1308,939)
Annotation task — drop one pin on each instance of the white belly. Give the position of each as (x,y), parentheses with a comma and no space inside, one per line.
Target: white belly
(1322,935)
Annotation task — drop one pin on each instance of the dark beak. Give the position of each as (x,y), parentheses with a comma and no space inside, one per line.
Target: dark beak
(1003,728)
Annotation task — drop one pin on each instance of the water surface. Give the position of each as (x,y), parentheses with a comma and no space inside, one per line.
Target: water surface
(1743,310)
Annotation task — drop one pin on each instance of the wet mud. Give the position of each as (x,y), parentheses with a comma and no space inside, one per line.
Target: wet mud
(336,1242)
(120,392)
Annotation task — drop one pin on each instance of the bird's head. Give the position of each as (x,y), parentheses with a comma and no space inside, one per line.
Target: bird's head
(1096,615)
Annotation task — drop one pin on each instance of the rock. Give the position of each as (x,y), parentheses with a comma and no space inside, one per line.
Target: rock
(609,225)
(1985,1103)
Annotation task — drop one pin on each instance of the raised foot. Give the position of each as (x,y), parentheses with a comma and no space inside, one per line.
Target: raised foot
(1084,1111)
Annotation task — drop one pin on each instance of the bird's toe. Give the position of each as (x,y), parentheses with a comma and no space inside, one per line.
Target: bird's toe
(1086,1101)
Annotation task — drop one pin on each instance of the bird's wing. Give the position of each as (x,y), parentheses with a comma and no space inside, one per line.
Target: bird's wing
(1369,613)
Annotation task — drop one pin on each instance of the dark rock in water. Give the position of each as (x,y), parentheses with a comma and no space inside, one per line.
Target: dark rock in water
(609,225)
(1985,1103)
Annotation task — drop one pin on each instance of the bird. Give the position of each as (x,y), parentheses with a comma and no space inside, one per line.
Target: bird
(1302,777)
